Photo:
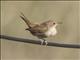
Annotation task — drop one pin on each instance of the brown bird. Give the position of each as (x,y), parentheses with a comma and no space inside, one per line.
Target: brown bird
(42,30)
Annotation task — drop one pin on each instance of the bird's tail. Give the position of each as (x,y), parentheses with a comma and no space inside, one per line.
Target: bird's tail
(25,20)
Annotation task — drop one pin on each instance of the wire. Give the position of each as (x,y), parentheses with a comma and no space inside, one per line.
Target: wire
(77,46)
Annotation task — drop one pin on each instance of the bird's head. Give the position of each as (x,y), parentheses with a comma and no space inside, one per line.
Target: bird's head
(53,23)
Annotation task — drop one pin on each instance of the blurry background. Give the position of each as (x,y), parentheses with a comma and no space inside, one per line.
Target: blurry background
(40,11)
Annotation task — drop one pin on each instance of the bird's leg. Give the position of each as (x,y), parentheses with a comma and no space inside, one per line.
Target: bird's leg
(44,41)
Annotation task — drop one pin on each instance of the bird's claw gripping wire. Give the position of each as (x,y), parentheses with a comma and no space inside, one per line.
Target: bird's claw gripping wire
(44,42)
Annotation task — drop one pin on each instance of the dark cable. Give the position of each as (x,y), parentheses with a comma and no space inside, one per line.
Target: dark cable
(39,42)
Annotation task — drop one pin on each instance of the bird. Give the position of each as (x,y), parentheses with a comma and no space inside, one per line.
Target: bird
(42,30)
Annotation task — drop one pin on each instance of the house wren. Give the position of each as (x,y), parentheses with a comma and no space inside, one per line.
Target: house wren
(42,30)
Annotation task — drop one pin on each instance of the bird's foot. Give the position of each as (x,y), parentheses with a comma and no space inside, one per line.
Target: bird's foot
(44,42)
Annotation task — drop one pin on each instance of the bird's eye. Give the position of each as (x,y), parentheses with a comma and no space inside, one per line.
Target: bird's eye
(53,23)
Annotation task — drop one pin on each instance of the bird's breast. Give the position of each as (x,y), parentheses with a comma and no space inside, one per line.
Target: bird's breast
(51,31)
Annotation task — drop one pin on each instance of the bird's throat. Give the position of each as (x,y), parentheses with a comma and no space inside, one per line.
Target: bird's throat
(51,31)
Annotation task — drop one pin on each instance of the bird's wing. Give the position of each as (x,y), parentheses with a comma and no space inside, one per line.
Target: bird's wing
(43,27)
(39,28)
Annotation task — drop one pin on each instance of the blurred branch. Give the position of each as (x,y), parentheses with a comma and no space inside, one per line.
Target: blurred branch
(39,42)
